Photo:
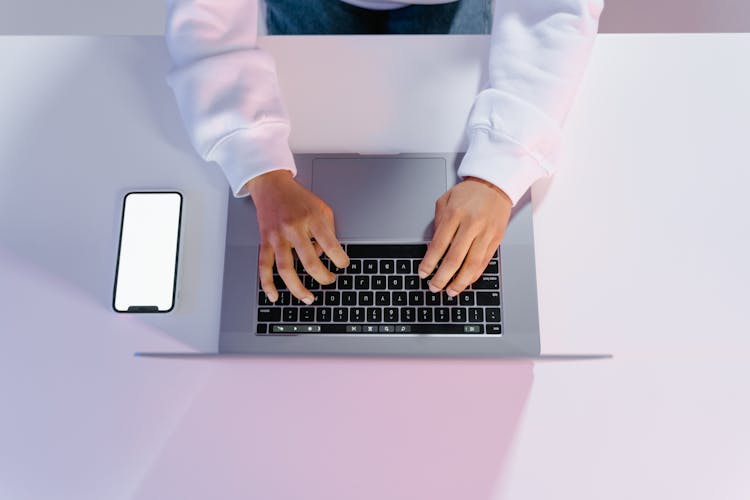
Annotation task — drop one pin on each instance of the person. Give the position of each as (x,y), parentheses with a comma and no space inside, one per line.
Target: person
(230,101)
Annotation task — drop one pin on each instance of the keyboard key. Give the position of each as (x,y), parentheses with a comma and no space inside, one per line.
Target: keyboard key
(348,298)
(378,283)
(466,298)
(317,298)
(415,266)
(424,314)
(403,266)
(399,298)
(383,298)
(492,314)
(323,314)
(386,329)
(289,315)
(472,328)
(340,314)
(330,286)
(390,314)
(296,301)
(458,315)
(355,266)
(261,328)
(404,251)
(357,314)
(307,314)
(362,282)
(334,269)
(416,298)
(487,283)
(333,298)
(449,301)
(310,283)
(432,299)
(494,329)
(395,282)
(345,282)
(370,266)
(411,282)
(269,314)
(488,298)
(366,298)
(402,328)
(442,315)
(408,314)
(284,298)
(353,328)
(387,266)
(263,299)
(370,329)
(374,315)
(492,267)
(476,315)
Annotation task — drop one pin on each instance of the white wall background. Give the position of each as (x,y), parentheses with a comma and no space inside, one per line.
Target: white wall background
(146,17)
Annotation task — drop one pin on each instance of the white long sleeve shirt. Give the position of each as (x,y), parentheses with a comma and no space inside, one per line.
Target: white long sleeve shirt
(230,101)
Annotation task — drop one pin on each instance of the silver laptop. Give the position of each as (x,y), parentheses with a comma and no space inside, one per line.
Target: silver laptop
(383,208)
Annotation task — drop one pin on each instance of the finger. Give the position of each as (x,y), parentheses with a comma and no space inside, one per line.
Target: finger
(325,235)
(285,266)
(458,249)
(472,267)
(265,271)
(318,248)
(312,264)
(444,232)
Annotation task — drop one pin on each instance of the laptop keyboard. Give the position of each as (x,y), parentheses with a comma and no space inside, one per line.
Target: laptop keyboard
(380,293)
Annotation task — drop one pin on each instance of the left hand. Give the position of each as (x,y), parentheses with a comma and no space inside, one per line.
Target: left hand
(470,222)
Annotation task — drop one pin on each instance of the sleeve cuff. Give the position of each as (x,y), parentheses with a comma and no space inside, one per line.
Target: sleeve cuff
(501,162)
(247,153)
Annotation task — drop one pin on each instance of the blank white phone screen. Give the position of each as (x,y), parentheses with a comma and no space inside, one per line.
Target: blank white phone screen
(147,261)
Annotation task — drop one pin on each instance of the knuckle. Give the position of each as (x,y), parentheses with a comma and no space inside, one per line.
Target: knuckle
(452,262)
(473,263)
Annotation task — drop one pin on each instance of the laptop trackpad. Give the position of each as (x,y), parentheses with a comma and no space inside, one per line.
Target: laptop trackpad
(381,198)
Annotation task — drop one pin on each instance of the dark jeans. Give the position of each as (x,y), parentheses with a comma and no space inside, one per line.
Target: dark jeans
(334,17)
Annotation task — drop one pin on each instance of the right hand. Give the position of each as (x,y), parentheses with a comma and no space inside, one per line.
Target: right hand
(289,215)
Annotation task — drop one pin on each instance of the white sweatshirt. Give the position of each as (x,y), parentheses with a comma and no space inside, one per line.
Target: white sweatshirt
(230,101)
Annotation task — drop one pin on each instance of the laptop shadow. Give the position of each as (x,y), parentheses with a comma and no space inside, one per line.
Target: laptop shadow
(337,428)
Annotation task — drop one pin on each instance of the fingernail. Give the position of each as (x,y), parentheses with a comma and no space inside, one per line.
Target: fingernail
(451,292)
(422,274)
(434,289)
(273,297)
(308,300)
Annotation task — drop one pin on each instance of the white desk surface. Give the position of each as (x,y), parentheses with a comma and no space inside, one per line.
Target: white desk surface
(641,245)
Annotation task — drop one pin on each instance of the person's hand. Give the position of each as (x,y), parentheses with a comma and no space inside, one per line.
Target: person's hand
(289,215)
(470,222)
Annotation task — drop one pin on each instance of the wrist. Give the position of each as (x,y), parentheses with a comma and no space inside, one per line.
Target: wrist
(256,184)
(488,183)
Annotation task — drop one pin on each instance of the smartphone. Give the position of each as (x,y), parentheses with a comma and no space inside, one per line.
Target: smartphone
(146,272)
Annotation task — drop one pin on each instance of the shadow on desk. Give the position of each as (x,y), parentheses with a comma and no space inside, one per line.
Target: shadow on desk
(332,428)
